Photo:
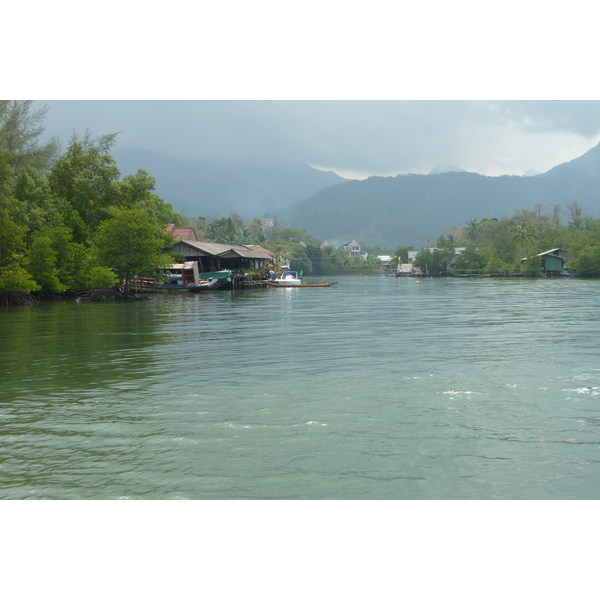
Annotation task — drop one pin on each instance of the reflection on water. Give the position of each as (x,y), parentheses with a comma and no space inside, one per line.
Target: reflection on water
(375,388)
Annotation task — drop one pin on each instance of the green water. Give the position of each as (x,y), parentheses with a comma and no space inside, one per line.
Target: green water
(376,388)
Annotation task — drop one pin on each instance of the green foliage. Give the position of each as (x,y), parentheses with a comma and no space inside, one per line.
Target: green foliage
(222,231)
(532,267)
(77,226)
(87,180)
(436,260)
(15,279)
(56,262)
(100,278)
(586,262)
(298,259)
(471,259)
(524,234)
(43,264)
(132,243)
(472,230)
(38,206)
(495,265)
(20,130)
(135,191)
(401,253)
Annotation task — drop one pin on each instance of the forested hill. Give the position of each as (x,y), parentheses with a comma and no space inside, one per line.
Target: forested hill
(213,189)
(416,209)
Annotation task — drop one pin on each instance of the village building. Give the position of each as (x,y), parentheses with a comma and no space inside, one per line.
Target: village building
(353,249)
(211,256)
(182,233)
(553,261)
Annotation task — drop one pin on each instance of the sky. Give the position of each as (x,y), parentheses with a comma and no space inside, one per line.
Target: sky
(355,139)
(359,90)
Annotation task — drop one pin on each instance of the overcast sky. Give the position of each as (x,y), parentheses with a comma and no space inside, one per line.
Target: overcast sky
(355,139)
(323,50)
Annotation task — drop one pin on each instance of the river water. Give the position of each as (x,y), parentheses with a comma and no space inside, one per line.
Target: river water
(375,388)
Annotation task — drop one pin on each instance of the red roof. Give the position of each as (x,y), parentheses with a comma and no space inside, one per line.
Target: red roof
(182,233)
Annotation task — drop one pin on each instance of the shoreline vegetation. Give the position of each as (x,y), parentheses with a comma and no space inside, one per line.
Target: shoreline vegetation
(71,226)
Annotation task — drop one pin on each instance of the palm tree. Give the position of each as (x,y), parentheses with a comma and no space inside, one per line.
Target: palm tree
(524,233)
(472,230)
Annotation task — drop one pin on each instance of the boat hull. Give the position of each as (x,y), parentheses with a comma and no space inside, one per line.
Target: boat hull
(225,277)
(213,284)
(302,285)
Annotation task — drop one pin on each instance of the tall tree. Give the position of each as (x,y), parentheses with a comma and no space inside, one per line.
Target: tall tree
(20,131)
(132,243)
(222,231)
(472,230)
(524,233)
(401,253)
(87,180)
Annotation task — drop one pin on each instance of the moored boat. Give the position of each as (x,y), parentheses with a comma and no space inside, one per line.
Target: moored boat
(170,288)
(302,285)
(289,279)
(182,279)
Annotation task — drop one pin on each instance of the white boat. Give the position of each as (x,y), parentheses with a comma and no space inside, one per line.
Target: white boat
(287,278)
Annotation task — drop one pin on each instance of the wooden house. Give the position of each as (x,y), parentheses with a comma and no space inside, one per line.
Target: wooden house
(554,260)
(211,256)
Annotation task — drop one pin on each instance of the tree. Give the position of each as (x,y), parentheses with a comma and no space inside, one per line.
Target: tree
(523,233)
(87,180)
(37,206)
(586,263)
(472,230)
(470,259)
(401,253)
(575,209)
(431,260)
(14,276)
(222,231)
(135,191)
(56,262)
(238,222)
(255,229)
(496,265)
(132,244)
(532,267)
(20,130)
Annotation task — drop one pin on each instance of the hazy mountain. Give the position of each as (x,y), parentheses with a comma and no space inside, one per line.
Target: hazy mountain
(197,188)
(445,169)
(412,209)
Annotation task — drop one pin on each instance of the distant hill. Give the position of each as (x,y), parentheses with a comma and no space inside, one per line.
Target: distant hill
(214,190)
(415,209)
(445,169)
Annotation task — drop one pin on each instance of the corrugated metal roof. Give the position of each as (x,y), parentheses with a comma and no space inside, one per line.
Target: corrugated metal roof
(209,248)
(259,249)
(252,252)
(228,250)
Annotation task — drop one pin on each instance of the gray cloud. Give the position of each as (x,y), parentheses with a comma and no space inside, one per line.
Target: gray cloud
(363,137)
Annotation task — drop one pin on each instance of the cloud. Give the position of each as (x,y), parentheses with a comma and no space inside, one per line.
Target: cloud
(352,138)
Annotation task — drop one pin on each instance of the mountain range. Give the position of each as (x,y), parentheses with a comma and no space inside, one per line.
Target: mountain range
(416,209)
(387,211)
(215,189)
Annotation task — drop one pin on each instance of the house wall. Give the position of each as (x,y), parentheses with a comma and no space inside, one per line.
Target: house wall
(553,263)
